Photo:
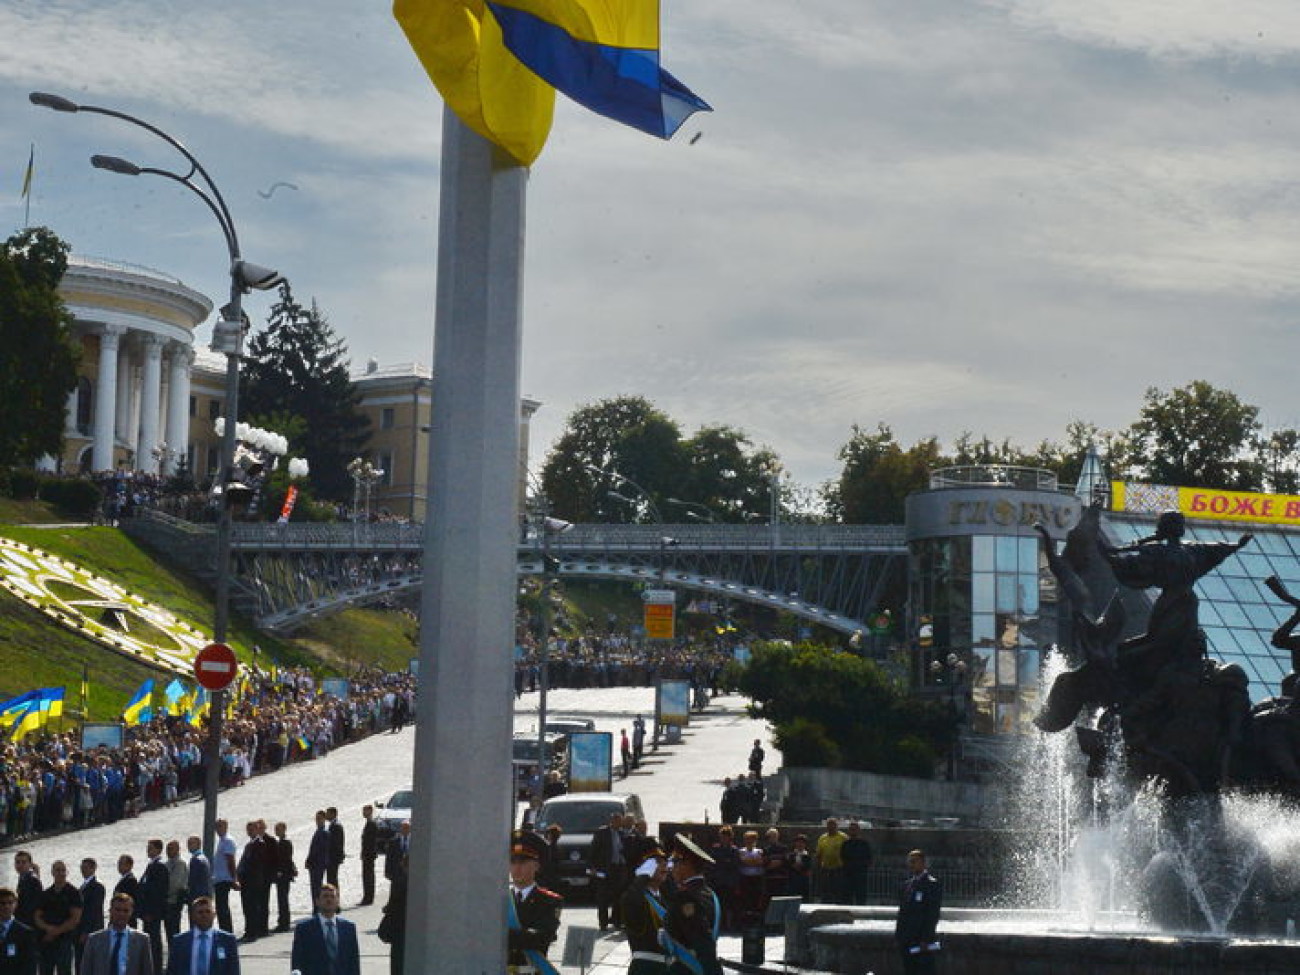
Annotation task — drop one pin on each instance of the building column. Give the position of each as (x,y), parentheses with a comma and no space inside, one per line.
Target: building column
(178,405)
(105,413)
(123,421)
(150,393)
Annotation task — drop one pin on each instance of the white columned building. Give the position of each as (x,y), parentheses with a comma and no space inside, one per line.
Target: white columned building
(126,318)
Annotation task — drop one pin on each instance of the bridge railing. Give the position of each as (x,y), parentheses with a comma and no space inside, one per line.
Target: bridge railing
(394,536)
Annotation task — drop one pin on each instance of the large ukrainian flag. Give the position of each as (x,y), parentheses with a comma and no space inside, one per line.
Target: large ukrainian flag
(139,710)
(497,63)
(47,705)
(14,708)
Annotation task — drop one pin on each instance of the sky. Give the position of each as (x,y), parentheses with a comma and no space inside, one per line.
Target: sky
(994,216)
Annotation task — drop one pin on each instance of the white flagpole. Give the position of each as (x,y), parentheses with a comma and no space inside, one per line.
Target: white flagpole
(456,916)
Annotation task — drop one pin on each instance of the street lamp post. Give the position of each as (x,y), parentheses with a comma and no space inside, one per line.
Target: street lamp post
(951,670)
(227,338)
(546,528)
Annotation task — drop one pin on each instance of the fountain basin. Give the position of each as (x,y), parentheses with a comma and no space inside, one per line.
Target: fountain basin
(1023,945)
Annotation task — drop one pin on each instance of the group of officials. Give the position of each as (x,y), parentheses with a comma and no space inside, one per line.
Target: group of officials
(324,944)
(120,930)
(668,911)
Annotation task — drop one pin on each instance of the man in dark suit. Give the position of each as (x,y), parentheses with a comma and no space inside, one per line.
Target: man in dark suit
(338,847)
(92,906)
(29,888)
(326,944)
(609,865)
(253,877)
(269,849)
(204,937)
(152,902)
(318,855)
(127,884)
(105,947)
(369,854)
(918,916)
(200,878)
(398,847)
(286,871)
(17,940)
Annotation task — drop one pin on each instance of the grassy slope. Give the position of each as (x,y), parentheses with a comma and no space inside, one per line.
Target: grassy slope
(36,653)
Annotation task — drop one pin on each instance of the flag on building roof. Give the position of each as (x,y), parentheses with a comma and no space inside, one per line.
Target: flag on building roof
(497,64)
(139,710)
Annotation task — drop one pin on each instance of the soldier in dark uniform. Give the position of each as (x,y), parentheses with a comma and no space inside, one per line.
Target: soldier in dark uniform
(535,911)
(918,915)
(691,924)
(643,912)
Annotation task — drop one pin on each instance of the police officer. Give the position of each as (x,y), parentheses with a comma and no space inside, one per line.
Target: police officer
(644,911)
(534,911)
(691,923)
(918,915)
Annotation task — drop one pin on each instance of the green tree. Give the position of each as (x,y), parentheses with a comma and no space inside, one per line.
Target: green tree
(844,710)
(1196,436)
(878,476)
(298,368)
(626,436)
(38,360)
(728,475)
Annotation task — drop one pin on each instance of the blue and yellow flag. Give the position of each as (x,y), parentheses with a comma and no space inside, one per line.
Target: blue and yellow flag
(459,43)
(14,708)
(48,704)
(139,710)
(497,64)
(174,698)
(602,54)
(199,706)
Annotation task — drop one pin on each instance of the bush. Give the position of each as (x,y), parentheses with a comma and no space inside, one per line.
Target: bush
(806,744)
(75,496)
(23,484)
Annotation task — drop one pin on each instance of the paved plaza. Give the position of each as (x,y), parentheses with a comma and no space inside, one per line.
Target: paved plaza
(681,782)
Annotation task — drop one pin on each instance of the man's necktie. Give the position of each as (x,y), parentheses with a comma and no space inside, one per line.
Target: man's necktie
(201,962)
(331,940)
(119,951)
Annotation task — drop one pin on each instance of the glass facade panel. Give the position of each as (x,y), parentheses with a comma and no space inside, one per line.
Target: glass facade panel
(981,549)
(1008,593)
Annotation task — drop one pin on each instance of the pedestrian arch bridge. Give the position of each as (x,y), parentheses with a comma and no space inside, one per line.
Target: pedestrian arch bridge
(285,575)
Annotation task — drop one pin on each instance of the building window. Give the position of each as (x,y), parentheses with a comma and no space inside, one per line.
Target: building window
(214,409)
(212,461)
(386,418)
(386,464)
(194,406)
(85,401)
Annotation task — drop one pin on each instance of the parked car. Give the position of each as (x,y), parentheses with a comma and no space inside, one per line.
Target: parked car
(566,725)
(390,813)
(524,759)
(579,815)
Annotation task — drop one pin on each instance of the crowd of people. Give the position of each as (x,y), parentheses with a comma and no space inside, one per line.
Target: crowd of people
(49,782)
(617,661)
(60,928)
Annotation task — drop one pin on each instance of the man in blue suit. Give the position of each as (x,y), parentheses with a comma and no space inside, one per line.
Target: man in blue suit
(203,936)
(318,855)
(326,944)
(200,875)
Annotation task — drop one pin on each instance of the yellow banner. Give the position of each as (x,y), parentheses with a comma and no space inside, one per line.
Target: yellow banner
(1206,503)
(659,621)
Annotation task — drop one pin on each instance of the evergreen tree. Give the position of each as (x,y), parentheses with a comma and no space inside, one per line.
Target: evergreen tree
(298,368)
(38,360)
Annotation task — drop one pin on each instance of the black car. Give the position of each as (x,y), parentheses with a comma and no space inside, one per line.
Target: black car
(579,815)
